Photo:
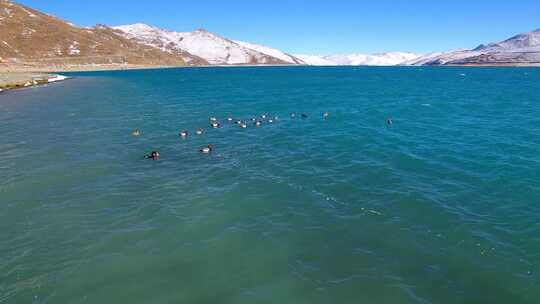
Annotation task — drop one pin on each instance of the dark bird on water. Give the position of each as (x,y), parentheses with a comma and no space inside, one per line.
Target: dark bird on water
(154,155)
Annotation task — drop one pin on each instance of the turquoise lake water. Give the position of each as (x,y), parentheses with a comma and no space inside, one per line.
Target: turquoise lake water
(443,206)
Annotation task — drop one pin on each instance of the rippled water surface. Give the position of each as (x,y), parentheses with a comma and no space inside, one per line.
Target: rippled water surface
(441,207)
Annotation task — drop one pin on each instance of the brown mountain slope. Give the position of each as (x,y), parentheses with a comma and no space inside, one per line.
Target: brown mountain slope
(36,39)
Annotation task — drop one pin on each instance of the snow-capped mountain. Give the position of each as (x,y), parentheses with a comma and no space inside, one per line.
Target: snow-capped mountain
(441,58)
(31,38)
(384,59)
(520,49)
(210,47)
(524,42)
(216,50)
(271,52)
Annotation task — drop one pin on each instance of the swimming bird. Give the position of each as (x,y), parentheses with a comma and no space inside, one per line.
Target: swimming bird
(389,121)
(184,134)
(243,125)
(136,132)
(258,123)
(293,115)
(215,125)
(213,119)
(199,131)
(154,155)
(304,116)
(229,119)
(325,115)
(263,116)
(206,149)
(270,120)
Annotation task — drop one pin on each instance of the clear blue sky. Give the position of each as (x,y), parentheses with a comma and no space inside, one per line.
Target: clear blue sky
(320,27)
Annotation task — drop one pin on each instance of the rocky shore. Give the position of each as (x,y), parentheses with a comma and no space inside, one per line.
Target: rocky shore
(18,80)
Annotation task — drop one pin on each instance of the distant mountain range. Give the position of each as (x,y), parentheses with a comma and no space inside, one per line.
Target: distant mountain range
(390,58)
(522,49)
(218,50)
(31,38)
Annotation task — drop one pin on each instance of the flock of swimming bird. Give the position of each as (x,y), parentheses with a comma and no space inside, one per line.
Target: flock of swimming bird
(215,124)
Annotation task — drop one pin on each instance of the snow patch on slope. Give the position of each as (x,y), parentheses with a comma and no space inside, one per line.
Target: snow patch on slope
(30,14)
(270,52)
(315,60)
(74,49)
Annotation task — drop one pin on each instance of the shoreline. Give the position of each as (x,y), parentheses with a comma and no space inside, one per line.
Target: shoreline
(120,67)
(20,80)
(113,67)
(77,68)
(18,77)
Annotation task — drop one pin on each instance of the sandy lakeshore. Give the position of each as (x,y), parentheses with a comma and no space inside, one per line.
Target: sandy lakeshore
(74,68)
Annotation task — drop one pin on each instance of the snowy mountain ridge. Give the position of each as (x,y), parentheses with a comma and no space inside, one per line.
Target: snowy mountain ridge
(522,49)
(211,48)
(30,37)
(270,51)
(216,50)
(383,59)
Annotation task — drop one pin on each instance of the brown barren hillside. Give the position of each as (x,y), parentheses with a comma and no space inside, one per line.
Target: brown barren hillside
(33,39)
